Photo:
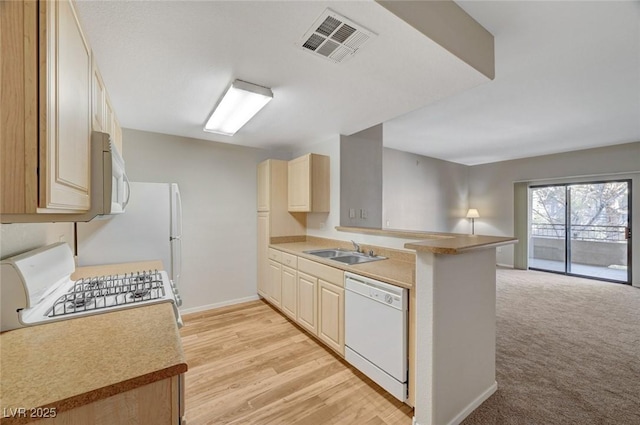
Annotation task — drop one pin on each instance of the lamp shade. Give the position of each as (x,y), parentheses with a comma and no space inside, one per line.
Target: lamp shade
(473,213)
(239,104)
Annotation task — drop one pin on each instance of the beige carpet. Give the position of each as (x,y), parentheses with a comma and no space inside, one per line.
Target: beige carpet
(568,352)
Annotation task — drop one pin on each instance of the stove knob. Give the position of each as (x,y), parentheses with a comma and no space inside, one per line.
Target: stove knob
(178,300)
(388,298)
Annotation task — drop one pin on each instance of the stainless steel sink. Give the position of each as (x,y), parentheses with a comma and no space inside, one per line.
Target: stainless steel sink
(344,256)
(356,259)
(328,253)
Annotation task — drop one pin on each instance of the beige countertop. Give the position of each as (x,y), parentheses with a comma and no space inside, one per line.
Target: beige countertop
(437,242)
(458,244)
(398,270)
(70,363)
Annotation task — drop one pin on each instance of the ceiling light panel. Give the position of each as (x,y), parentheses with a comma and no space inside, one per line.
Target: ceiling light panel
(334,37)
(239,104)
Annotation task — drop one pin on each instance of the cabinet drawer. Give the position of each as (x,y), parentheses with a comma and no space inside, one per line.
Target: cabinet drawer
(275,255)
(326,273)
(289,260)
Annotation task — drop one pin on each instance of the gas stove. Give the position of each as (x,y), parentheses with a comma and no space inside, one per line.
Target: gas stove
(36,288)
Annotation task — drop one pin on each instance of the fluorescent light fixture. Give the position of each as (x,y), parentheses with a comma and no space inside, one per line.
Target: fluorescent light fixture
(239,104)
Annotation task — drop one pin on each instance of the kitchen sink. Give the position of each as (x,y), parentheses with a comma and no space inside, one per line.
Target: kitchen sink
(356,259)
(328,253)
(344,256)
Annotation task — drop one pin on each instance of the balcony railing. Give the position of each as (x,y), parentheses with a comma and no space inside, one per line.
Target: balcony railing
(580,232)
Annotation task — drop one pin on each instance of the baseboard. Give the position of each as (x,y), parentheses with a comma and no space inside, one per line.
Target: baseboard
(218,305)
(506,266)
(474,404)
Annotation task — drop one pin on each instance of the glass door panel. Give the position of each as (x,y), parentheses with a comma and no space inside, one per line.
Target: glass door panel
(597,230)
(581,229)
(547,228)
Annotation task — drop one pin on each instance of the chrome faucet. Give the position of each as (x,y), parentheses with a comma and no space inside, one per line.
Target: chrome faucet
(356,246)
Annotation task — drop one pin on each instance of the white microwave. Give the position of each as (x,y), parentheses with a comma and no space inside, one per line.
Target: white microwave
(115,188)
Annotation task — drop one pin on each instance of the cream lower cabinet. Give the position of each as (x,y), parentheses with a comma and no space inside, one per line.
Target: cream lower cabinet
(274,291)
(310,293)
(331,315)
(289,291)
(321,302)
(307,315)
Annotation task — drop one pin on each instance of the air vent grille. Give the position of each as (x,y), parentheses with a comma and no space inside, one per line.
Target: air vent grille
(335,37)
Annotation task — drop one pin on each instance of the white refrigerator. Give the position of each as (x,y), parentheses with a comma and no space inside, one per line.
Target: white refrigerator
(149,229)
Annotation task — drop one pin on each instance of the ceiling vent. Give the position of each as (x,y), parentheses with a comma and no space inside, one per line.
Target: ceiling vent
(335,37)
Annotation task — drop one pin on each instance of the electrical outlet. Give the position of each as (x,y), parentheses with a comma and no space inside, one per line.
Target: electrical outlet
(62,238)
(499,249)
(363,214)
(352,213)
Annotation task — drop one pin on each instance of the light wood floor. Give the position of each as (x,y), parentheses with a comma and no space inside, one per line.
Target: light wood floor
(250,365)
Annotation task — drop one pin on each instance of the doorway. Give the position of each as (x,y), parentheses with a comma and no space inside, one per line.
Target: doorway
(582,229)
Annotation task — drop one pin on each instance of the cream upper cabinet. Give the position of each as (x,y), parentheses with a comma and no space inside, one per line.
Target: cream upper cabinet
(66,137)
(263,172)
(117,134)
(308,184)
(55,94)
(263,254)
(98,98)
(108,116)
(103,116)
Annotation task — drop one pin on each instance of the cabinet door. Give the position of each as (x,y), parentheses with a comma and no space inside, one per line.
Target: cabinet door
(98,98)
(263,253)
(263,186)
(331,315)
(299,184)
(67,108)
(307,312)
(275,283)
(289,291)
(108,116)
(117,133)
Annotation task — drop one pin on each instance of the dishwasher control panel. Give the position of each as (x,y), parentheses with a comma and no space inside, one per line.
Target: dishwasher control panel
(384,293)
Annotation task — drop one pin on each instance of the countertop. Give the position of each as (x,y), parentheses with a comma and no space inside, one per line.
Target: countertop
(458,244)
(73,362)
(398,270)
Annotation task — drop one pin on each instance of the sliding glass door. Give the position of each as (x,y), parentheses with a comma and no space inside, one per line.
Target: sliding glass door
(582,229)
(548,228)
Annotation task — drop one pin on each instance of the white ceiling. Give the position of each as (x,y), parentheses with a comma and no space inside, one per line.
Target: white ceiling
(567,75)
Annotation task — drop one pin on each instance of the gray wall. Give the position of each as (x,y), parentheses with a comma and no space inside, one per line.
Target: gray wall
(361,178)
(218,187)
(422,193)
(21,237)
(491,186)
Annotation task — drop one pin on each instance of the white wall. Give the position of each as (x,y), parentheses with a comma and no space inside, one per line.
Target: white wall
(491,186)
(422,193)
(20,237)
(218,187)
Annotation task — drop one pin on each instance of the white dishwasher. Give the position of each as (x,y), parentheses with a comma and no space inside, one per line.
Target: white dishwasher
(376,316)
